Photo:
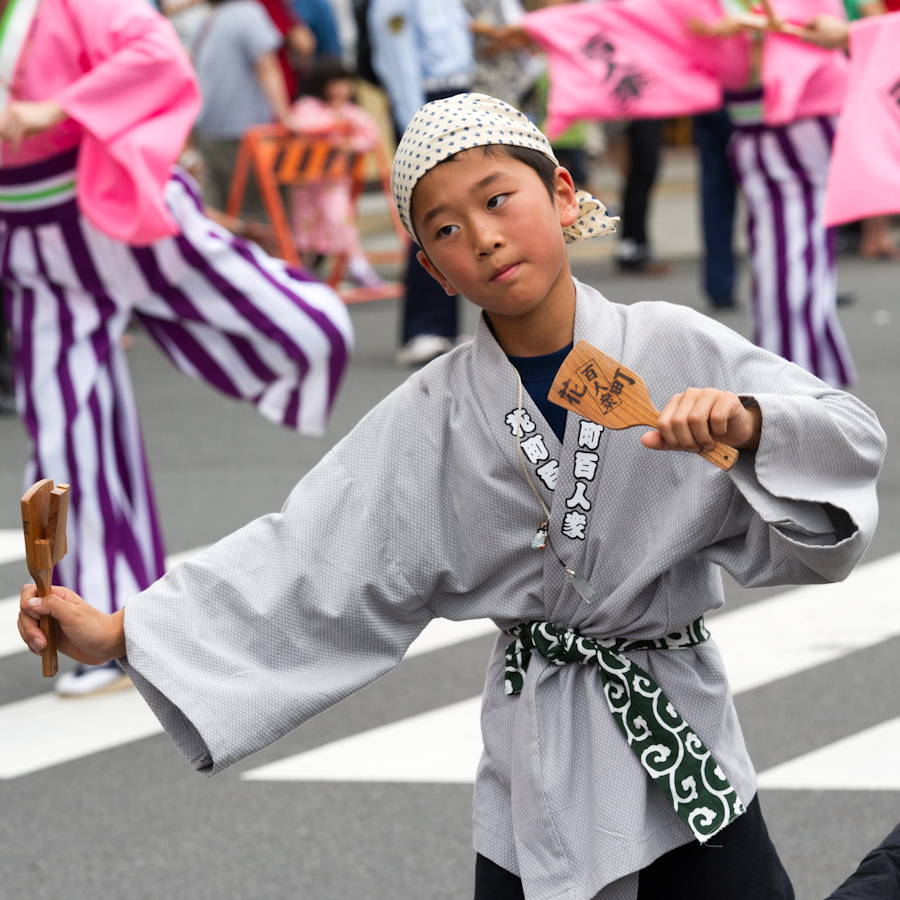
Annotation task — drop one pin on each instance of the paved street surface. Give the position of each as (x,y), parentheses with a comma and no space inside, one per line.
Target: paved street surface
(373,798)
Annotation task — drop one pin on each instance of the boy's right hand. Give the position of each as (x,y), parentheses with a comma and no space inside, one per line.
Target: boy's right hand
(84,633)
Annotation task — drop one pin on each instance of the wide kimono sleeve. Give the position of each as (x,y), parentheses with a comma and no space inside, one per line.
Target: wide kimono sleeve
(244,642)
(804,507)
(136,102)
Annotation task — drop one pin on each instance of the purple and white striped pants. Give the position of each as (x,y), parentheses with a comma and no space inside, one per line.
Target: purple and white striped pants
(220,309)
(782,173)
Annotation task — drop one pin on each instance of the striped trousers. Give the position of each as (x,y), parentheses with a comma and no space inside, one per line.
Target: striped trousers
(782,173)
(219,308)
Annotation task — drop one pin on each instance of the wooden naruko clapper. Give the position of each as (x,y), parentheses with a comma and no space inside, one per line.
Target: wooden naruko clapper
(597,387)
(44,511)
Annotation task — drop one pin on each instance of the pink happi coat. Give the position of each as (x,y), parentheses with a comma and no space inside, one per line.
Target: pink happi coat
(641,59)
(801,80)
(118,70)
(632,59)
(864,179)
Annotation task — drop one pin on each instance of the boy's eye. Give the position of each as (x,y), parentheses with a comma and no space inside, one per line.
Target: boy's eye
(446,231)
(497,201)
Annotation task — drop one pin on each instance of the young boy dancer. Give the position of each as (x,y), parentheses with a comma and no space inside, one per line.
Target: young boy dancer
(94,229)
(593,782)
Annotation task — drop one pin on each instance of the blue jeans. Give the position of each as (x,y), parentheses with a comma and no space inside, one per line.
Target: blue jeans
(718,193)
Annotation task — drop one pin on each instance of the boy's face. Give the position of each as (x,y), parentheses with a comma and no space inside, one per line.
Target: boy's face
(490,231)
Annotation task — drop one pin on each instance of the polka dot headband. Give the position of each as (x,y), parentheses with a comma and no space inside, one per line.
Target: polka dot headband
(445,127)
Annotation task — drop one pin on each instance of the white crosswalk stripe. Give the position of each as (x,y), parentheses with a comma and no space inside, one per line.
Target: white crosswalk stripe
(46,730)
(12,545)
(442,746)
(761,643)
(10,642)
(809,626)
(442,633)
(867,761)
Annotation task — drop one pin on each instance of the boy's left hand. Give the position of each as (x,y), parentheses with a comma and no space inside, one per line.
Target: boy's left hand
(695,420)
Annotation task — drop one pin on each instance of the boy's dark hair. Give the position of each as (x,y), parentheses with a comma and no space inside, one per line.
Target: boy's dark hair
(326,69)
(534,159)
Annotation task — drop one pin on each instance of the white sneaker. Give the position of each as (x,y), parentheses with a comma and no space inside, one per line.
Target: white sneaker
(422,349)
(86,681)
(360,272)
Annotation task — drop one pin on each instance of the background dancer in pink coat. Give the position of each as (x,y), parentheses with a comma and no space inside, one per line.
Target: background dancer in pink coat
(784,122)
(782,98)
(98,98)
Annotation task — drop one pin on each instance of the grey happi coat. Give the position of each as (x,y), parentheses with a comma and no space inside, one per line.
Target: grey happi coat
(424,511)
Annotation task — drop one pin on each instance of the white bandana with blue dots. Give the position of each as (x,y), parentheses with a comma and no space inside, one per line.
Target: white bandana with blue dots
(445,127)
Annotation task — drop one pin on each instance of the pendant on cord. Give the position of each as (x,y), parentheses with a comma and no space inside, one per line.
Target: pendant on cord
(582,585)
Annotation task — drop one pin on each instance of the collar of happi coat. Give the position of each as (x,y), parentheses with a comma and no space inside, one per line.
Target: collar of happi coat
(540,445)
(577,498)
(597,321)
(566,475)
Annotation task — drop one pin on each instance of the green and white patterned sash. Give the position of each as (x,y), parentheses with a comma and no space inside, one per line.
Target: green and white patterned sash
(14,28)
(673,755)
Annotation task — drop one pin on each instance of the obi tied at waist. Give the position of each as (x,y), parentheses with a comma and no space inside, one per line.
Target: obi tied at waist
(675,758)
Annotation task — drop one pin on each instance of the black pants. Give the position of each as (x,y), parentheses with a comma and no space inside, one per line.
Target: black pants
(426,308)
(644,142)
(739,863)
(878,875)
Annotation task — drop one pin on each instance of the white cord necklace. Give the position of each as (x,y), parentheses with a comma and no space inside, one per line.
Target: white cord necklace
(542,538)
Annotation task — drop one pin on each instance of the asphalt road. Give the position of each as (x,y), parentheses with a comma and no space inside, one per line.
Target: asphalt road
(134,821)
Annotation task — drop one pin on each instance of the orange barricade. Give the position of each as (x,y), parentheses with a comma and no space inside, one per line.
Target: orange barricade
(282,157)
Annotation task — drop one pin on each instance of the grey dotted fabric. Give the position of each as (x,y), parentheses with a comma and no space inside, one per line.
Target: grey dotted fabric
(423,511)
(444,127)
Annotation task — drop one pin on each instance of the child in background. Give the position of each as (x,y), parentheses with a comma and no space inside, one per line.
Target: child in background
(322,215)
